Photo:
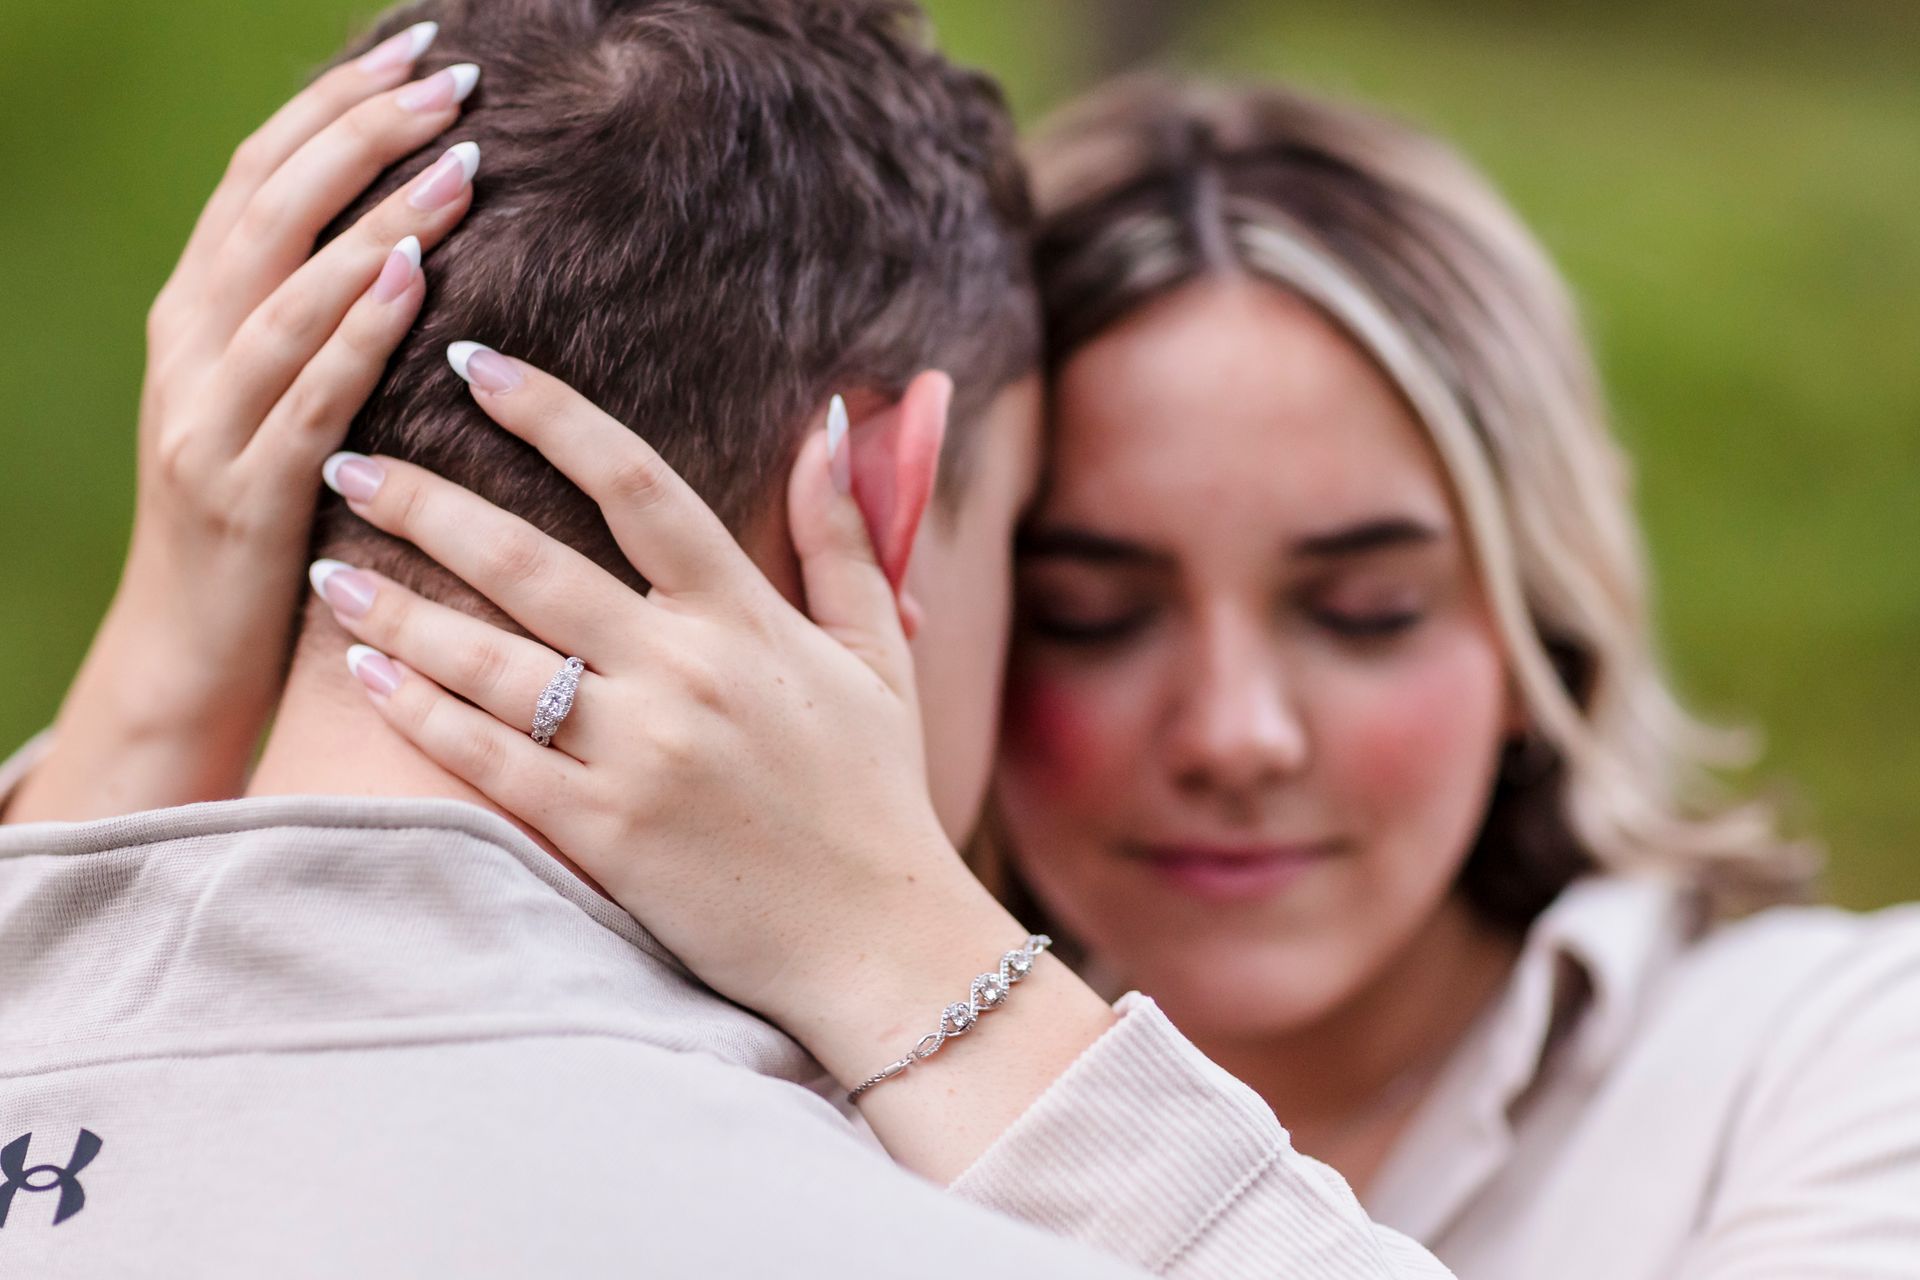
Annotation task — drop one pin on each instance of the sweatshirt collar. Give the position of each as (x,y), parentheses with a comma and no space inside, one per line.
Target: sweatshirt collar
(277,922)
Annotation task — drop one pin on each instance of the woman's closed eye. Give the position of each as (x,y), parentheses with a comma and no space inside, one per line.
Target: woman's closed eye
(1067,608)
(1068,628)
(1368,625)
(1366,613)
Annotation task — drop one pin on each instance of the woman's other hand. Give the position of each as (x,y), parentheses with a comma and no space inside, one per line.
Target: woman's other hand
(745,780)
(259,353)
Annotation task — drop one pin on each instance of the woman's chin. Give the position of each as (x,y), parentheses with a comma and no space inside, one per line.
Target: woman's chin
(1270,993)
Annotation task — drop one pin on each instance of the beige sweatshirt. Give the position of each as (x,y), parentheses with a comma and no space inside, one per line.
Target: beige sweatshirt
(346,1037)
(353,1037)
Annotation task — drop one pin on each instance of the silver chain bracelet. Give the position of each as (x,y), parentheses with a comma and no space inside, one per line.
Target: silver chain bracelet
(989,991)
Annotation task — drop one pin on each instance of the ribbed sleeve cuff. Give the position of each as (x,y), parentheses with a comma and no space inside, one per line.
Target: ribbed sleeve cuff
(1137,1146)
(1148,1150)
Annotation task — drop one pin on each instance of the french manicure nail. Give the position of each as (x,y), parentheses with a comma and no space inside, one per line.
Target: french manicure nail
(444,88)
(397,272)
(344,587)
(447,178)
(353,476)
(373,669)
(483,367)
(402,50)
(839,457)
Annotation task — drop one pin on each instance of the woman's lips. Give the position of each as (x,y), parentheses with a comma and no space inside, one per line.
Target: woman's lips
(1233,875)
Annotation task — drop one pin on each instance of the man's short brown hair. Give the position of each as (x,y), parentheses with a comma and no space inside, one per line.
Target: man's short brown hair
(706,216)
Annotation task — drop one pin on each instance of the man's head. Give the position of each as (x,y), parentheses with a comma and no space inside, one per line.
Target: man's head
(708,216)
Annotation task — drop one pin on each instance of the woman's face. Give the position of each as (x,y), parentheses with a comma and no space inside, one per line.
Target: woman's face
(1256,700)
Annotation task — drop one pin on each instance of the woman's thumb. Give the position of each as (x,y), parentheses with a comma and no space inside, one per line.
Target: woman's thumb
(848,595)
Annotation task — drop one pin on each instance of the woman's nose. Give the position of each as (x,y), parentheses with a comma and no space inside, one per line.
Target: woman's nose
(1238,726)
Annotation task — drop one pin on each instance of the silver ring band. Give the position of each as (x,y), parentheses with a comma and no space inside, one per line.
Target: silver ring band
(556,701)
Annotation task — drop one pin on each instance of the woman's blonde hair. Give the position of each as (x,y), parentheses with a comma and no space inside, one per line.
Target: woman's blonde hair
(1150,185)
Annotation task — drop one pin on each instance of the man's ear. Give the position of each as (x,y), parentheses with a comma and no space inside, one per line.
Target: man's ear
(895,452)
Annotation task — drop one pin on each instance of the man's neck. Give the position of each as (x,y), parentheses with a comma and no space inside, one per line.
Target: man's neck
(328,739)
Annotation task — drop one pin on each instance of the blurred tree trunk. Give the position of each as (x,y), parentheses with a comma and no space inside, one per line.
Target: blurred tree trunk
(1126,34)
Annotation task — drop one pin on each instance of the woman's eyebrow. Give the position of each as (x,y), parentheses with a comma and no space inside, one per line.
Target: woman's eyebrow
(1070,542)
(1369,535)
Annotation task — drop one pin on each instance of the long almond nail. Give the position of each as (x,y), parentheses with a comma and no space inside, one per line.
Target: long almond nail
(344,587)
(839,456)
(353,476)
(399,51)
(483,367)
(374,670)
(397,272)
(447,178)
(444,88)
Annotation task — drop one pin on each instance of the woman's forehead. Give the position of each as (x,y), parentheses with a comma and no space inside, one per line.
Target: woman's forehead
(1237,404)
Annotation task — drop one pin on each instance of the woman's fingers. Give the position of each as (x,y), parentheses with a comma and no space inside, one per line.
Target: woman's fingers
(283,333)
(529,780)
(274,234)
(501,673)
(848,595)
(314,108)
(312,418)
(665,529)
(552,590)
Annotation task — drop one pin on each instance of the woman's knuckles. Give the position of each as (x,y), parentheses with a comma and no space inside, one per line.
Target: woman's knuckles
(252,162)
(480,669)
(514,559)
(398,504)
(308,403)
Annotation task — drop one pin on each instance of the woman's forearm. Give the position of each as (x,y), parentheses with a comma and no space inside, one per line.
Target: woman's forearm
(143,727)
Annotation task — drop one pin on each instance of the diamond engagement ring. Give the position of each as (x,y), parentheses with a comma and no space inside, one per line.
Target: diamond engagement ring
(556,700)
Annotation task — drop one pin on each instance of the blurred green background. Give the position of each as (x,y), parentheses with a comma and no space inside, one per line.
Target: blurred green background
(1732,187)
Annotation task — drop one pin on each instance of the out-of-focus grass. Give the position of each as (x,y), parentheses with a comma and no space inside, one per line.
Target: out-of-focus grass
(1731,187)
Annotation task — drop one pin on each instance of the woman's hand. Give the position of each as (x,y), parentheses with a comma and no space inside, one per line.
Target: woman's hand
(259,353)
(749,784)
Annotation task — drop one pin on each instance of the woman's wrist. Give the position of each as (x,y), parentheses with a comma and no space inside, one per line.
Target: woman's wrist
(163,682)
(146,724)
(907,955)
(942,1113)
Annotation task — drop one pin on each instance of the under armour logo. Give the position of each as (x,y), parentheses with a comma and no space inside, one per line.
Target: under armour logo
(17,1177)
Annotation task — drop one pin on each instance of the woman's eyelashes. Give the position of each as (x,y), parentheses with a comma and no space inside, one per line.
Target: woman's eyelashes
(1363,611)
(1086,632)
(1368,625)
(1081,614)
(1066,602)
(1369,628)
(1104,609)
(1111,627)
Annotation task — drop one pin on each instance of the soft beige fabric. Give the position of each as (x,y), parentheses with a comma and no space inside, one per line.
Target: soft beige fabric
(1723,1104)
(1740,1100)
(333,1037)
(402,1020)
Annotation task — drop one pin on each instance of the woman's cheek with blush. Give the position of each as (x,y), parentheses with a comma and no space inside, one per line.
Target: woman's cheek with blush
(1412,744)
(1074,746)
(1059,744)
